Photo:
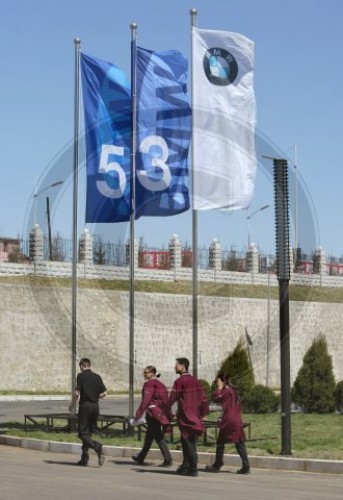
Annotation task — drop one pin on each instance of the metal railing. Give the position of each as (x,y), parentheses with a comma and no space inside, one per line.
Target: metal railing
(116,254)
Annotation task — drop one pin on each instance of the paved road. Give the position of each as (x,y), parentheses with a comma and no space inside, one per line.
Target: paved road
(32,475)
(15,410)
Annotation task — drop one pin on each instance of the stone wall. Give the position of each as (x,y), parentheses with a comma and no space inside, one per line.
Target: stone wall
(35,334)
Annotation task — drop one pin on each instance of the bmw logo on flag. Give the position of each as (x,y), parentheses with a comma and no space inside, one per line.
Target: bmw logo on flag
(220,66)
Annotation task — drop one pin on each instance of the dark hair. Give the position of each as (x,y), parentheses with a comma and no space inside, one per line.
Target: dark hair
(85,362)
(152,369)
(184,362)
(224,378)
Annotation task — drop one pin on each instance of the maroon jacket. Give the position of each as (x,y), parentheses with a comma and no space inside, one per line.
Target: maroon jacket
(192,404)
(154,401)
(230,424)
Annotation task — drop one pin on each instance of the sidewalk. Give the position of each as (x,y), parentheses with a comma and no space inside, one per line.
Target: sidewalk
(257,462)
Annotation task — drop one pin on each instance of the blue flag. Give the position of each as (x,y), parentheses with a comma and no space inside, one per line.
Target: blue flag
(107,110)
(163,133)
(163,136)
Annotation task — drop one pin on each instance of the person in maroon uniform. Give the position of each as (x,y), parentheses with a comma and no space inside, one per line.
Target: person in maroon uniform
(192,408)
(154,404)
(230,425)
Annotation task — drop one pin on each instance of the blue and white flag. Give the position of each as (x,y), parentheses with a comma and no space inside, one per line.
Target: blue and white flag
(163,132)
(107,111)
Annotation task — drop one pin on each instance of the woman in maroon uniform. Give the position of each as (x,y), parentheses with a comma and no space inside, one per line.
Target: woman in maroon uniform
(230,425)
(154,401)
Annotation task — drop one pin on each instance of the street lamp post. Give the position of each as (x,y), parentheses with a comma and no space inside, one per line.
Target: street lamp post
(281,197)
(250,217)
(49,227)
(37,193)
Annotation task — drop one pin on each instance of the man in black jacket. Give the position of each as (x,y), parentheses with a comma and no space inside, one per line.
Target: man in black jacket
(89,388)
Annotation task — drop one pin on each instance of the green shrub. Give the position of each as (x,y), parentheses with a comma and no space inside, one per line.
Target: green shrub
(207,388)
(238,367)
(339,396)
(314,386)
(261,399)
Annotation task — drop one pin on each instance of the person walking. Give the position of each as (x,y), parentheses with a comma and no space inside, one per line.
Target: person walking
(89,389)
(192,408)
(230,425)
(154,404)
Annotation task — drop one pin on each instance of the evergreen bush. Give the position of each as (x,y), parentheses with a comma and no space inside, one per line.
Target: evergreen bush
(261,399)
(207,388)
(238,367)
(314,386)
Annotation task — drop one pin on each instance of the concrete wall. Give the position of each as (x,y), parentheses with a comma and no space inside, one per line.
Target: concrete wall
(35,334)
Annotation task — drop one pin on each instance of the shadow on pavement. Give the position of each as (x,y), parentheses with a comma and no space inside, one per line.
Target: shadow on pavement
(54,462)
(216,473)
(173,472)
(160,471)
(130,462)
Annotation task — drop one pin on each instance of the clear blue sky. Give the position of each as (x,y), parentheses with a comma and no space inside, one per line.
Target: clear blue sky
(298,84)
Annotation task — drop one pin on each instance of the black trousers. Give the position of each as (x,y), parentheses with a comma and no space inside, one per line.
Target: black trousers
(241,450)
(87,420)
(154,432)
(189,449)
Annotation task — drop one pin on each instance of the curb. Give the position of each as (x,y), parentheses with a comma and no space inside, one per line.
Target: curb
(19,397)
(256,462)
(12,398)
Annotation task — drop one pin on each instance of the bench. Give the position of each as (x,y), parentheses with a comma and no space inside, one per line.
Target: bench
(51,424)
(209,424)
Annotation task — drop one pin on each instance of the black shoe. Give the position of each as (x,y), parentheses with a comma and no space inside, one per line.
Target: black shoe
(190,472)
(138,460)
(212,468)
(244,470)
(182,470)
(166,463)
(83,463)
(101,456)
(84,460)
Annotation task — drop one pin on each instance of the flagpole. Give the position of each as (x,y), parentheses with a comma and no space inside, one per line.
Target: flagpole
(133,27)
(77,45)
(195,260)
(296,204)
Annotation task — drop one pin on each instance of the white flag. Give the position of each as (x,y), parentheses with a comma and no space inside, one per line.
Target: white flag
(224,120)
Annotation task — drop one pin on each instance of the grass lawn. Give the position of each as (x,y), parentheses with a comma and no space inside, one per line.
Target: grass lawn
(297,293)
(313,436)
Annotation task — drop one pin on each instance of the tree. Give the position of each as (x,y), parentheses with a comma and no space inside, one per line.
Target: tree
(232,262)
(16,253)
(238,367)
(314,386)
(57,248)
(99,251)
(119,254)
(142,247)
(186,256)
(17,256)
(339,396)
